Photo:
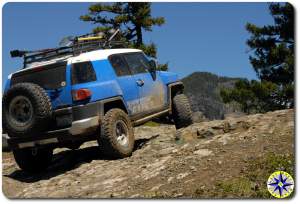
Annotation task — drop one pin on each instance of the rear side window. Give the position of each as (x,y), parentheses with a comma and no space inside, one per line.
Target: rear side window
(49,76)
(137,62)
(83,72)
(119,64)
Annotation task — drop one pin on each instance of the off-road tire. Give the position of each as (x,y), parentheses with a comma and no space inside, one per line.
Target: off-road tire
(42,110)
(108,139)
(33,160)
(181,111)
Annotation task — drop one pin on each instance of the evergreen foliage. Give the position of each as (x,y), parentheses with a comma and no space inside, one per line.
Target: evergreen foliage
(132,18)
(272,57)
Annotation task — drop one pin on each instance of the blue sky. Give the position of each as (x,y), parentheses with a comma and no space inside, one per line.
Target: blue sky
(196,37)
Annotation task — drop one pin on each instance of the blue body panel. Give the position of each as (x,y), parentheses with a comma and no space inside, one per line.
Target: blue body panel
(152,95)
(105,86)
(7,85)
(168,77)
(62,96)
(109,85)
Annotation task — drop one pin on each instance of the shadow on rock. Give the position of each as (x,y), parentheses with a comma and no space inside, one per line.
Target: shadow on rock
(139,144)
(62,162)
(68,160)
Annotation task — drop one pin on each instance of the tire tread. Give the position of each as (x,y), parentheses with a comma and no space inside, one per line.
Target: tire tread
(41,102)
(182,112)
(107,140)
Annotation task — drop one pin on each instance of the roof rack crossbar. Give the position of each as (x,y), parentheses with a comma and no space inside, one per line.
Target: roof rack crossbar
(80,45)
(29,60)
(46,55)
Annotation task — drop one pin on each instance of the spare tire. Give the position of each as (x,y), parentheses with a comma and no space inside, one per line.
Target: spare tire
(26,110)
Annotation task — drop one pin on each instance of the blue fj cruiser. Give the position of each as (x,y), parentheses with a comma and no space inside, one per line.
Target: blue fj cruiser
(62,98)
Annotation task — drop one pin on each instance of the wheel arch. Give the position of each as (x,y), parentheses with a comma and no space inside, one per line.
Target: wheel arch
(173,89)
(116,102)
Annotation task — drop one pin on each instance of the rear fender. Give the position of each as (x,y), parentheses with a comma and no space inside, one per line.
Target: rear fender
(116,102)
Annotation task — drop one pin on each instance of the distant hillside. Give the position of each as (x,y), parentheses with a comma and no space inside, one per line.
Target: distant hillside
(203,90)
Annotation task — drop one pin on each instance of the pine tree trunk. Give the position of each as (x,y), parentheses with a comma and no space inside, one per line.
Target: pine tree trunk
(139,36)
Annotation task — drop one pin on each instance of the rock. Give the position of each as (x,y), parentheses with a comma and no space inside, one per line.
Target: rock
(182,175)
(246,125)
(186,134)
(170,179)
(178,195)
(143,166)
(161,165)
(203,152)
(226,127)
(166,151)
(155,188)
(175,151)
(198,117)
(205,133)
(185,147)
(178,135)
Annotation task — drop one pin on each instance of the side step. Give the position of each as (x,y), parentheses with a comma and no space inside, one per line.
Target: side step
(149,117)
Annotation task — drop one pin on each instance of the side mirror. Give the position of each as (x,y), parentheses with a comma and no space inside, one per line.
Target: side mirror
(153,68)
(153,65)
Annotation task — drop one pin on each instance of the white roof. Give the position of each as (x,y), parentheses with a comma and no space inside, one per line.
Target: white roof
(87,56)
(98,55)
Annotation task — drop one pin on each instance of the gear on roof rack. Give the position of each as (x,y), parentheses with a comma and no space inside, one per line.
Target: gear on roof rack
(78,45)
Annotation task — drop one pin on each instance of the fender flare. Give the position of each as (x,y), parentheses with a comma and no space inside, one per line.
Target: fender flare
(174,88)
(114,102)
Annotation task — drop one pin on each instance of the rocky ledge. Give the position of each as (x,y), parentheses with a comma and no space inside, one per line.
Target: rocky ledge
(190,162)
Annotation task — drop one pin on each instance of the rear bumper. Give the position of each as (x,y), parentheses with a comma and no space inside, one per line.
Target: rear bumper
(85,125)
(72,123)
(78,130)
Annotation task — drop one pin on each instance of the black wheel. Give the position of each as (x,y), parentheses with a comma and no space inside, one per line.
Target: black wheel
(117,138)
(33,159)
(26,110)
(181,111)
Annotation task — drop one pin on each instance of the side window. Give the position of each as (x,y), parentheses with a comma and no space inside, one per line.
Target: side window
(83,72)
(119,64)
(137,62)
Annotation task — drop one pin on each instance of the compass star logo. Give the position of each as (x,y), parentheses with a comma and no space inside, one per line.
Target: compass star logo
(280,184)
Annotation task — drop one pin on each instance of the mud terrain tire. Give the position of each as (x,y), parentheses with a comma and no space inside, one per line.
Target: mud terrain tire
(181,111)
(33,160)
(26,110)
(117,137)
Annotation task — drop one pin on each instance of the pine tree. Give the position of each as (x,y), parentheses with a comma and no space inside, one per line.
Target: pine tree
(132,18)
(254,96)
(273,46)
(272,57)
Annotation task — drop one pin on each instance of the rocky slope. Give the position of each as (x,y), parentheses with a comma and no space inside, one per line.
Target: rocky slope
(203,90)
(205,160)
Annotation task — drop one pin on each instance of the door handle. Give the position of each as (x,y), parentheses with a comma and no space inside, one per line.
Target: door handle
(140,82)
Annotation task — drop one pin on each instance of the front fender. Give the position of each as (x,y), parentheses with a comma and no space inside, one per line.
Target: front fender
(7,83)
(168,77)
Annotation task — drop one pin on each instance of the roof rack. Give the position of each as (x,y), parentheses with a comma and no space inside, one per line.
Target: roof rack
(81,44)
